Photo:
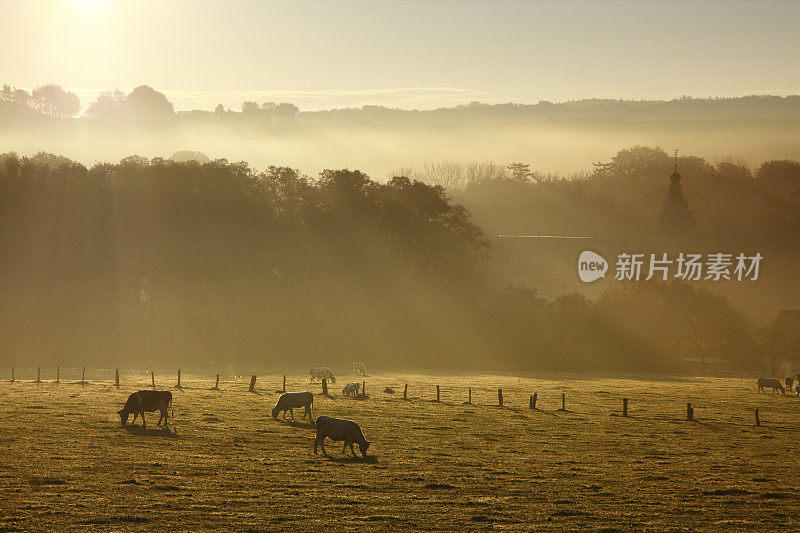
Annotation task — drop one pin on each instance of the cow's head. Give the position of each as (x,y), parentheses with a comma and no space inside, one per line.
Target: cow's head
(123,417)
(363,447)
(275,412)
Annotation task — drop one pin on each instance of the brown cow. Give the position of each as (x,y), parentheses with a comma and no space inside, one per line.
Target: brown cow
(144,401)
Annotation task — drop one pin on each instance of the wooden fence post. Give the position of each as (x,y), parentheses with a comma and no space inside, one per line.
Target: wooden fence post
(252,383)
(405,391)
(533,401)
(758,422)
(12,375)
(689,412)
(624,407)
(500,397)
(58,375)
(153,379)
(437,393)
(38,374)
(83,377)
(216,385)
(179,378)
(116,378)
(325,386)
(363,388)
(284,383)
(563,401)
(469,395)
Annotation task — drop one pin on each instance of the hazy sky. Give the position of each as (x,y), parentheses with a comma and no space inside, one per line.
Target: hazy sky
(405,54)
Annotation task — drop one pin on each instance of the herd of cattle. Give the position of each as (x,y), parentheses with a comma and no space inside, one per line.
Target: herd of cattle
(776,385)
(336,429)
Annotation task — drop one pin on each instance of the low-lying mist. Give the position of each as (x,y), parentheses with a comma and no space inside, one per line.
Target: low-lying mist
(563,146)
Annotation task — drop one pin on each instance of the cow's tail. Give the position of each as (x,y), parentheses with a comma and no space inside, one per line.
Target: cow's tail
(172,412)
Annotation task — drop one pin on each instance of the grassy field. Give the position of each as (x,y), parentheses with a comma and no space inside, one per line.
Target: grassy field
(68,464)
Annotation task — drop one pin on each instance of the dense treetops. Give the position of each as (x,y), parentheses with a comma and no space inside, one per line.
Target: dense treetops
(165,262)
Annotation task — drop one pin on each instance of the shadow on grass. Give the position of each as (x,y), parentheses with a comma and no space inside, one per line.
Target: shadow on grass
(142,432)
(295,424)
(346,459)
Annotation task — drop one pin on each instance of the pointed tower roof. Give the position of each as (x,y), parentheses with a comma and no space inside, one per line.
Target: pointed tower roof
(676,219)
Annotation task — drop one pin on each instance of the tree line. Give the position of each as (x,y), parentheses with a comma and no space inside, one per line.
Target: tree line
(164,262)
(147,103)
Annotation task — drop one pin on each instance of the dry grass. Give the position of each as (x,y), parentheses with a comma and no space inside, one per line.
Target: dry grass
(436,466)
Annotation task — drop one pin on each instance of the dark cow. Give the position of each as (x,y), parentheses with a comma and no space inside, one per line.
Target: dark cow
(338,429)
(146,401)
(770,383)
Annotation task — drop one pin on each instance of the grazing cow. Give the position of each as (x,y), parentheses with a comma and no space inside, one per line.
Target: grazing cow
(322,372)
(338,429)
(146,401)
(772,383)
(351,389)
(789,382)
(359,368)
(290,400)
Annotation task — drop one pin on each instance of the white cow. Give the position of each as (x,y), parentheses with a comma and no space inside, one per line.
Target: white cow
(359,368)
(322,372)
(351,389)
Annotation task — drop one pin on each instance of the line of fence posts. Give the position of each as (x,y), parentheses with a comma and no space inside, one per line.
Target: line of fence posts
(532,401)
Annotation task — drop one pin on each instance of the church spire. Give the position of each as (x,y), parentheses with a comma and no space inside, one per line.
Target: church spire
(676,219)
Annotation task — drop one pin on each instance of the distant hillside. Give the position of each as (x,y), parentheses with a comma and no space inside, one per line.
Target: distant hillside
(685,108)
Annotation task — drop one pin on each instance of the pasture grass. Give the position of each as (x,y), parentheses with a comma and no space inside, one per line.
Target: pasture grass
(226,464)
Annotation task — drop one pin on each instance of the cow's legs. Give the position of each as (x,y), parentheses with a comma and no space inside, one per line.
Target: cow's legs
(352,450)
(284,414)
(321,442)
(144,422)
(344,448)
(291,413)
